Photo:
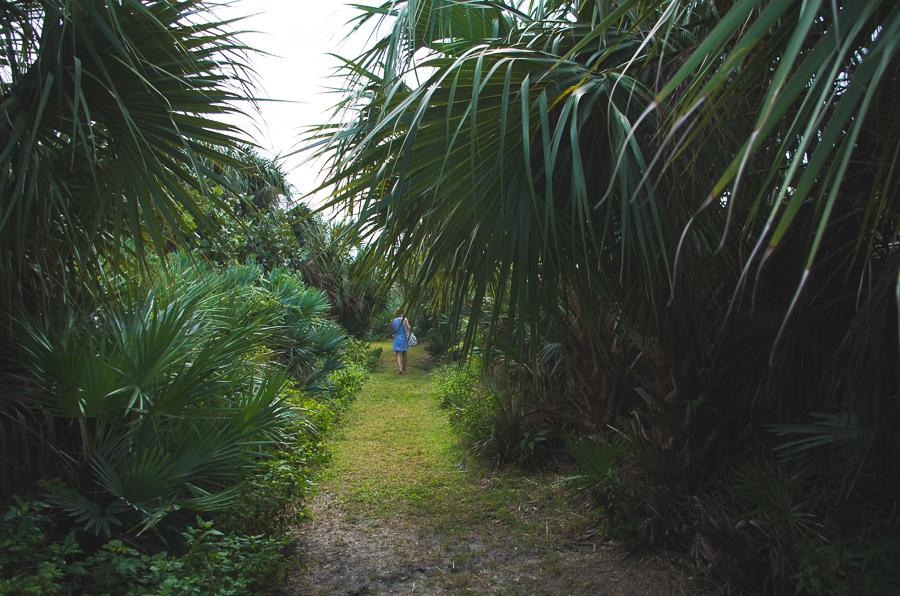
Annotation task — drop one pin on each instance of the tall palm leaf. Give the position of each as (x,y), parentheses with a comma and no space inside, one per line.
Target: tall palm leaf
(490,167)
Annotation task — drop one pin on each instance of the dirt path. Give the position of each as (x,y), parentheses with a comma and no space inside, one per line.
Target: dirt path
(402,510)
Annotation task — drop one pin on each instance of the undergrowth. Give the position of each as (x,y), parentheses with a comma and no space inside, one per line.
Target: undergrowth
(770,528)
(33,560)
(232,551)
(496,418)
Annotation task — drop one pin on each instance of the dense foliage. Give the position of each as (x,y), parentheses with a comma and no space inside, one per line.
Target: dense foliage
(234,550)
(108,109)
(176,400)
(169,355)
(680,219)
(32,562)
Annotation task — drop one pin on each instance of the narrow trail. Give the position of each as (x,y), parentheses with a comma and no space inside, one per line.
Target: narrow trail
(401,509)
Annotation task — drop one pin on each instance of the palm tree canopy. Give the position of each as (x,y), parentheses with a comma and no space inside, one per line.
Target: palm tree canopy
(555,154)
(108,109)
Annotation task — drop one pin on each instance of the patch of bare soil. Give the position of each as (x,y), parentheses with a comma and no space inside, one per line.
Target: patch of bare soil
(347,554)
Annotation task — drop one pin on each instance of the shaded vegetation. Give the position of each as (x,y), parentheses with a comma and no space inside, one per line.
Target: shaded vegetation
(672,222)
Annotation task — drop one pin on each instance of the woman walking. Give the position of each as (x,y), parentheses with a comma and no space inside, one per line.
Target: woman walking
(400,333)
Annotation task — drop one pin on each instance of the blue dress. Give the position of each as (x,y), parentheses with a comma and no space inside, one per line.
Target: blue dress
(400,339)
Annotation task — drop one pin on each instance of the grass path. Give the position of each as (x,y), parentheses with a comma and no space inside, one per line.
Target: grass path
(395,441)
(402,509)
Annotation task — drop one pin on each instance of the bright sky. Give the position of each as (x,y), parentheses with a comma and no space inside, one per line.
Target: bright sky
(299,34)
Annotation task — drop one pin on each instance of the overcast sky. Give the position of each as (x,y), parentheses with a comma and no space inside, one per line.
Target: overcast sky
(299,34)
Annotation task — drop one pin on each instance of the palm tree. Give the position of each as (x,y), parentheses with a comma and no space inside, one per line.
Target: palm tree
(599,155)
(109,131)
(261,181)
(498,162)
(108,109)
(696,199)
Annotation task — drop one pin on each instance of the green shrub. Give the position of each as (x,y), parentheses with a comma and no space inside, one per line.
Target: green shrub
(277,435)
(215,563)
(597,460)
(499,422)
(273,498)
(34,561)
(475,417)
(247,459)
(347,382)
(473,411)
(171,401)
(845,567)
(29,564)
(323,414)
(470,409)
(455,386)
(361,353)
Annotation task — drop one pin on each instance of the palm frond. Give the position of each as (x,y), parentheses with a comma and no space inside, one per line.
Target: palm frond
(109,111)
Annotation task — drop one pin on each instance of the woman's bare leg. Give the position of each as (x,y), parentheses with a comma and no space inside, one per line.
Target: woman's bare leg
(404,361)
(400,361)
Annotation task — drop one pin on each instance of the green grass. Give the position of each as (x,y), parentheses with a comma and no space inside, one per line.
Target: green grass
(395,456)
